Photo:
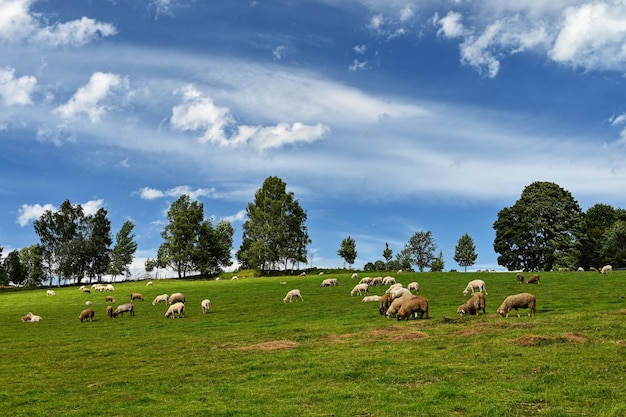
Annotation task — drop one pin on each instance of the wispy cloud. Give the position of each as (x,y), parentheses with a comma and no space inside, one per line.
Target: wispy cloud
(147,193)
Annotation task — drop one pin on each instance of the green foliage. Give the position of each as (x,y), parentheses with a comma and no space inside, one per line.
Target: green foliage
(438,264)
(422,248)
(14,269)
(543,229)
(275,232)
(387,253)
(347,250)
(32,259)
(124,250)
(465,252)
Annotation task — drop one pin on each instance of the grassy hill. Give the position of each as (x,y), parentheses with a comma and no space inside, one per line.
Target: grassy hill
(330,355)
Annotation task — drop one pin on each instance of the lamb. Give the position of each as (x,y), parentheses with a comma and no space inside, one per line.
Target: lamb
(523,300)
(109,299)
(371,298)
(385,302)
(360,289)
(473,305)
(413,306)
(606,269)
(206,304)
(136,296)
(176,310)
(478,284)
(534,279)
(520,278)
(413,286)
(395,305)
(293,294)
(160,299)
(86,314)
(50,293)
(109,311)
(124,308)
(177,297)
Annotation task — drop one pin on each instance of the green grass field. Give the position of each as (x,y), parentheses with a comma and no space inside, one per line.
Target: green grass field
(330,355)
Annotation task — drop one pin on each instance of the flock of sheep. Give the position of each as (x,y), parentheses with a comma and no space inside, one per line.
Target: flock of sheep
(176,303)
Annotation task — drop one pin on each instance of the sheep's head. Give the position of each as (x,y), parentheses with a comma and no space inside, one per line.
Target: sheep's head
(465,292)
(461,311)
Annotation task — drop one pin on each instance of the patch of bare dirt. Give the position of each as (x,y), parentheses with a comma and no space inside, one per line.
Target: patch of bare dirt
(481,328)
(621,312)
(408,337)
(533,340)
(273,345)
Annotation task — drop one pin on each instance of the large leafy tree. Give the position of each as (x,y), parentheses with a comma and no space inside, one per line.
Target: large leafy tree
(124,250)
(15,271)
(465,252)
(275,232)
(422,247)
(540,231)
(32,259)
(347,251)
(214,245)
(614,245)
(97,238)
(597,222)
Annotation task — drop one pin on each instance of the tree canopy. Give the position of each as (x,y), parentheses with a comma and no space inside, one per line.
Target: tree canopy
(347,250)
(465,252)
(422,248)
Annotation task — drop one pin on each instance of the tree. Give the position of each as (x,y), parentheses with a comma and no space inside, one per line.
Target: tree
(596,222)
(15,271)
(422,249)
(32,259)
(97,238)
(214,245)
(540,231)
(465,252)
(347,251)
(124,250)
(404,259)
(387,254)
(614,247)
(275,232)
(438,264)
(4,279)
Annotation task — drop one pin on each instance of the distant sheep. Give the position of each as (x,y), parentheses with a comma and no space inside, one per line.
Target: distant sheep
(513,302)
(376,281)
(149,284)
(385,302)
(580,269)
(109,311)
(413,306)
(109,287)
(303,274)
(593,268)
(520,278)
(606,269)
(354,276)
(371,298)
(534,279)
(366,280)
(473,305)
(389,280)
(395,305)
(176,310)
(31,318)
(86,290)
(124,308)
(206,305)
(477,284)
(329,282)
(177,297)
(293,294)
(50,293)
(86,314)
(88,303)
(136,296)
(235,278)
(413,286)
(360,289)
(109,299)
(160,299)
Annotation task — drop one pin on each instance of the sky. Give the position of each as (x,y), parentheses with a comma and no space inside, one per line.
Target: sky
(383,117)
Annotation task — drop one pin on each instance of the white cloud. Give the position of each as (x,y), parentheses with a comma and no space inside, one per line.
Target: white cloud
(147,193)
(451,26)
(91,207)
(19,24)
(279,52)
(16,91)
(238,217)
(28,213)
(358,65)
(91,99)
(360,49)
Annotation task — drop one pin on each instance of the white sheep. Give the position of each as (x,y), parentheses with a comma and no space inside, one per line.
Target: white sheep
(88,303)
(376,281)
(396,285)
(206,304)
(473,305)
(163,298)
(329,282)
(124,308)
(606,269)
(389,280)
(413,286)
(177,297)
(477,284)
(176,310)
(235,278)
(399,292)
(366,280)
(149,284)
(513,302)
(371,298)
(50,293)
(360,289)
(293,294)
(354,276)
(34,318)
(109,287)
(395,305)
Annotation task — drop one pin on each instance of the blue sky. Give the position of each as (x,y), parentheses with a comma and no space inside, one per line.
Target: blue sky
(383,117)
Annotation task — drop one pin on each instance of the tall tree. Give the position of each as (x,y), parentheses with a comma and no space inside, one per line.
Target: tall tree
(214,245)
(438,264)
(347,251)
(614,245)
(32,259)
(275,232)
(124,250)
(465,252)
(597,220)
(422,247)
(540,231)
(4,279)
(98,241)
(15,271)
(388,255)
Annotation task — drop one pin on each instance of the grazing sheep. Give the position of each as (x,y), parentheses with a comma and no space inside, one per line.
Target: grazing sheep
(31,318)
(376,281)
(393,286)
(110,287)
(473,305)
(371,298)
(477,284)
(366,280)
(293,294)
(124,308)
(303,274)
(283,282)
(580,269)
(177,297)
(520,278)
(399,271)
(235,278)
(109,311)
(413,286)
(206,304)
(399,292)
(534,279)
(593,268)
(385,302)
(513,302)
(606,269)
(160,299)
(413,306)
(329,282)
(109,299)
(354,276)
(360,289)
(88,303)
(389,280)
(321,273)
(50,293)
(395,305)
(176,310)
(86,290)
(136,296)
(149,284)
(87,314)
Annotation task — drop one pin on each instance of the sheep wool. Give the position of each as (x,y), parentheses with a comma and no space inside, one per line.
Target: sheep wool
(513,302)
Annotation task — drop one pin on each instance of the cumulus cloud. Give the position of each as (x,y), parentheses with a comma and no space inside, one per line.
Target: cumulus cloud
(16,91)
(93,98)
(147,193)
(238,217)
(450,25)
(29,213)
(19,24)
(216,125)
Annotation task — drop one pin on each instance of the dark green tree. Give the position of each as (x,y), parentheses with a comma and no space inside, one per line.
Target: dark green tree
(15,271)
(275,232)
(388,255)
(438,264)
(97,238)
(123,251)
(597,220)
(422,247)
(214,245)
(614,245)
(465,252)
(347,251)
(4,279)
(404,259)
(542,230)
(32,259)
